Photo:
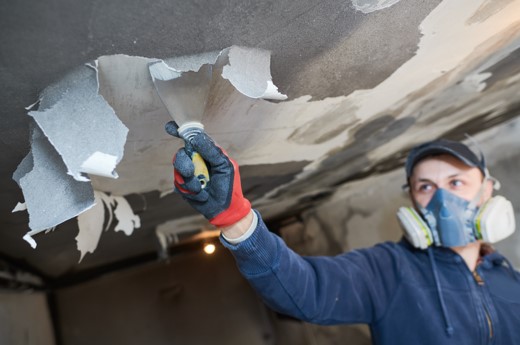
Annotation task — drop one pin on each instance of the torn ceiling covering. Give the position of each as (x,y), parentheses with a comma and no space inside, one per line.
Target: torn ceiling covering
(366,80)
(83,136)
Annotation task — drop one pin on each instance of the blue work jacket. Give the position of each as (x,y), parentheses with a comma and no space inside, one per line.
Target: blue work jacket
(405,295)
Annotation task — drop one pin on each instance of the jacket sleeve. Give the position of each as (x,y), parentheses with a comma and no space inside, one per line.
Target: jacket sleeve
(354,287)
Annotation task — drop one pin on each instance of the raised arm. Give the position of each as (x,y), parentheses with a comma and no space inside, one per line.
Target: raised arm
(317,289)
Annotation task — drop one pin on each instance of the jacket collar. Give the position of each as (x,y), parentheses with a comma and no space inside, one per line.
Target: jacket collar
(489,255)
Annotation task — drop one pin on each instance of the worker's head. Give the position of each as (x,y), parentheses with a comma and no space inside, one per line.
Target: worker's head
(447,165)
(449,185)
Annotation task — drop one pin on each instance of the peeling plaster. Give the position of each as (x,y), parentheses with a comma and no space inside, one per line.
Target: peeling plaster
(21,206)
(313,130)
(362,128)
(126,84)
(51,195)
(83,129)
(92,222)
(92,128)
(249,72)
(76,132)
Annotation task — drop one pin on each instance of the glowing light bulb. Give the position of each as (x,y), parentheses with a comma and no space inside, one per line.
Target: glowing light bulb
(209,248)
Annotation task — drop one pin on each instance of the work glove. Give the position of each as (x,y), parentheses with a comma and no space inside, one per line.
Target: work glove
(221,200)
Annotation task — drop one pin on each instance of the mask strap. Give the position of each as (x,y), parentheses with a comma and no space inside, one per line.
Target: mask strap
(473,203)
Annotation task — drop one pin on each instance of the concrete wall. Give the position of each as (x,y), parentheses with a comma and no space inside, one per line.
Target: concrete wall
(194,299)
(25,319)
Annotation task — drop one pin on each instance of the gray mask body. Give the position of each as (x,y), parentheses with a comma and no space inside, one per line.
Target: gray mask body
(451,219)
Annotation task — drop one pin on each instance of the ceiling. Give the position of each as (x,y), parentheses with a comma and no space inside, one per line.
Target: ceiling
(365,80)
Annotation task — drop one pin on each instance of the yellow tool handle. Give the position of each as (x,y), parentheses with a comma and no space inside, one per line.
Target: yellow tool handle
(201,170)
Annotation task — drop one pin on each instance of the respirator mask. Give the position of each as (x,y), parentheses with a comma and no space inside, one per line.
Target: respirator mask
(451,221)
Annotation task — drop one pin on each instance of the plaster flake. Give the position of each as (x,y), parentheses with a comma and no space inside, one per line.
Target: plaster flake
(21,206)
(249,71)
(99,218)
(51,196)
(90,225)
(127,220)
(92,128)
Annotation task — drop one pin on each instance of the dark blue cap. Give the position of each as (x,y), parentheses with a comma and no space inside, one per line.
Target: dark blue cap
(443,146)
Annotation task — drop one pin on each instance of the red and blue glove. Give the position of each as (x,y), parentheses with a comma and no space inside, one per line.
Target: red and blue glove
(221,200)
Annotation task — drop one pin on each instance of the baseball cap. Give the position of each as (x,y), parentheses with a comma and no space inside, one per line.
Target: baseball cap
(443,146)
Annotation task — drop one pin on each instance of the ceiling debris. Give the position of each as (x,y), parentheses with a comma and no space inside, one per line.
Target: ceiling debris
(92,222)
(82,127)
(126,84)
(84,122)
(76,132)
(51,195)
(21,206)
(249,71)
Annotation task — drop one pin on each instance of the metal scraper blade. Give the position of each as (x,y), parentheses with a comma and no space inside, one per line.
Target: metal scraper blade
(184,94)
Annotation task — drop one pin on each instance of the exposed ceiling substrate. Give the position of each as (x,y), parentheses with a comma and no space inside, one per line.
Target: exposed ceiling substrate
(307,96)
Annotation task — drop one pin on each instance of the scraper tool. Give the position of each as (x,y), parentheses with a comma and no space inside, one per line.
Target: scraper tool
(184,94)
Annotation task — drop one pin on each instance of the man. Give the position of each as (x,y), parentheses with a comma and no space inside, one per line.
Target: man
(439,285)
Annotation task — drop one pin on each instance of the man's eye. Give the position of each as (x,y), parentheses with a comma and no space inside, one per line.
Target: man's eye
(456,183)
(425,187)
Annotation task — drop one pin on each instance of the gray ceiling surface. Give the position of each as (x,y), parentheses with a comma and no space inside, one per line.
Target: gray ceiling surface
(381,74)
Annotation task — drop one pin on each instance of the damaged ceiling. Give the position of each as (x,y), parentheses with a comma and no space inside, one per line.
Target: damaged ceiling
(365,80)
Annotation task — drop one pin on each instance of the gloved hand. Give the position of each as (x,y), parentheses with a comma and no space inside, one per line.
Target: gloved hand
(221,201)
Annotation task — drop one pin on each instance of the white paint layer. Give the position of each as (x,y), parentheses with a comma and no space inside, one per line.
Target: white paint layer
(90,225)
(127,220)
(107,208)
(100,163)
(250,73)
(21,206)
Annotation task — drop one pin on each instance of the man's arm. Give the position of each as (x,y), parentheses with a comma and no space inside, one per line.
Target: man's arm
(317,289)
(355,287)
(239,229)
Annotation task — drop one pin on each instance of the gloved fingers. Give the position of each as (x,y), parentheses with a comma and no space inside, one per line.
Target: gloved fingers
(183,164)
(211,153)
(201,196)
(225,182)
(172,129)
(187,185)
